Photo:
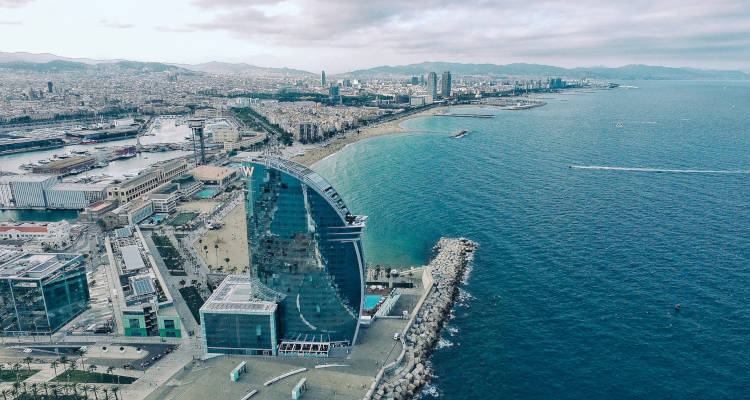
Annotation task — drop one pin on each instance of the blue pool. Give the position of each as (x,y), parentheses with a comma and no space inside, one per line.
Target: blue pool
(206,194)
(371,300)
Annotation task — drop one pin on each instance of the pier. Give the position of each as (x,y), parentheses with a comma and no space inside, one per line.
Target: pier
(459,115)
(404,378)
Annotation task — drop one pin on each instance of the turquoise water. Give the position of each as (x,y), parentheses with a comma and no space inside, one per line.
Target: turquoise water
(371,301)
(573,291)
(37,215)
(206,194)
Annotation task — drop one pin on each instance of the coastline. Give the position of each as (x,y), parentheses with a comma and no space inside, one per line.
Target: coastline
(313,155)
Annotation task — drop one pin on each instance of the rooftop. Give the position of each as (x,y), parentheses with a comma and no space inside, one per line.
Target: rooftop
(211,172)
(131,256)
(35,265)
(87,187)
(241,293)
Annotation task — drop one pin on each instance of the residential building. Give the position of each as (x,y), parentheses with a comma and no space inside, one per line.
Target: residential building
(445,84)
(432,85)
(308,132)
(41,292)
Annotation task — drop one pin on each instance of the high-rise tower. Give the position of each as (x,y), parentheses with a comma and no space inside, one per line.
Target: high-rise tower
(197,124)
(445,84)
(323,78)
(305,252)
(432,85)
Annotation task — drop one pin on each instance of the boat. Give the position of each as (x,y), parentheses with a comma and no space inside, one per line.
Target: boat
(619,124)
(88,141)
(460,134)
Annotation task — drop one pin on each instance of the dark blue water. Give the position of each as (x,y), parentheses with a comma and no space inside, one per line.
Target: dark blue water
(573,291)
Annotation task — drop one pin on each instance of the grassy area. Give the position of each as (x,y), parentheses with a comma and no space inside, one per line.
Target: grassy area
(193,300)
(10,375)
(172,259)
(182,218)
(89,377)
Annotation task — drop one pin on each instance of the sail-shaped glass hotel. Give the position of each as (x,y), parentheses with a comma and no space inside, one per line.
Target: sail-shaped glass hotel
(306,254)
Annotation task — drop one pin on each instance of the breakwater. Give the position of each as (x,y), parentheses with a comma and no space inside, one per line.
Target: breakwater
(404,378)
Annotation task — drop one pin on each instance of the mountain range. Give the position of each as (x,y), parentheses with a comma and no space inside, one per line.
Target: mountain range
(46,62)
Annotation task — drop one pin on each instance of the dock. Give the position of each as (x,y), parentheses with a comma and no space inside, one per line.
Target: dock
(465,115)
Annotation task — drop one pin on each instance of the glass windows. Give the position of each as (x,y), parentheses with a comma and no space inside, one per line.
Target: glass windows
(301,247)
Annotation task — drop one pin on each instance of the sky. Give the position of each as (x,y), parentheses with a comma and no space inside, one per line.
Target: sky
(343,35)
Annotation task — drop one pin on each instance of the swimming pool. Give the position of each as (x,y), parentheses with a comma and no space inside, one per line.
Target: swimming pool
(371,300)
(206,194)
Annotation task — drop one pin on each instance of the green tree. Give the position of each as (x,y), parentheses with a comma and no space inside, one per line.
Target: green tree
(54,365)
(28,361)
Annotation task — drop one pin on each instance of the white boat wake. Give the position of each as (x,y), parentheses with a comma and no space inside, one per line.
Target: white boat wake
(673,171)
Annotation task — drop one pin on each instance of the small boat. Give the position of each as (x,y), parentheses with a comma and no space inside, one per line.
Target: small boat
(460,134)
(619,124)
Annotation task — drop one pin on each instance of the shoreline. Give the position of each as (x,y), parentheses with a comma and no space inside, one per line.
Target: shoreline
(318,153)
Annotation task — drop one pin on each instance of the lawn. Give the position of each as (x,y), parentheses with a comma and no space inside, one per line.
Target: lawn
(193,300)
(10,375)
(183,218)
(77,376)
(170,255)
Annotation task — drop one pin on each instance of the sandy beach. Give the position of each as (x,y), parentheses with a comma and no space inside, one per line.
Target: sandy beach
(313,155)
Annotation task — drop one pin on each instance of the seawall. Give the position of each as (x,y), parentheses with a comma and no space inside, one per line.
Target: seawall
(404,378)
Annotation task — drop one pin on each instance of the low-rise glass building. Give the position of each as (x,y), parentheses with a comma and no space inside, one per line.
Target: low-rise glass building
(41,292)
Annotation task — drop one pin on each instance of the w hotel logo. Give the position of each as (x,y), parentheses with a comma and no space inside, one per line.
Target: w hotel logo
(247,171)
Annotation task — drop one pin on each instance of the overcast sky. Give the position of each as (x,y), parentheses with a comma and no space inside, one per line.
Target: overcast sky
(341,35)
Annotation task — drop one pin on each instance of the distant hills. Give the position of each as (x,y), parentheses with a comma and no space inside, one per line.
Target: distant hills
(46,62)
(627,72)
(216,67)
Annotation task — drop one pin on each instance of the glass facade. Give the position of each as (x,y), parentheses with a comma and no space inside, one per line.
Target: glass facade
(236,333)
(39,293)
(305,246)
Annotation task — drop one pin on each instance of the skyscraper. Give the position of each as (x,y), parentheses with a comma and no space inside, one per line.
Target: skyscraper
(306,253)
(323,78)
(49,87)
(432,85)
(445,84)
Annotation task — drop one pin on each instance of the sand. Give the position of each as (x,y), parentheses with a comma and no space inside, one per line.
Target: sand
(318,153)
(232,242)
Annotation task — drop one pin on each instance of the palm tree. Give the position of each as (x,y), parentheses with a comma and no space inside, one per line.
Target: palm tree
(114,392)
(16,367)
(34,390)
(28,361)
(110,369)
(106,393)
(45,386)
(80,353)
(86,389)
(23,385)
(54,365)
(5,394)
(1,369)
(95,390)
(92,368)
(55,391)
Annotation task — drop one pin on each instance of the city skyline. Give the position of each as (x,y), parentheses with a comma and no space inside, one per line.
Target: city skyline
(343,36)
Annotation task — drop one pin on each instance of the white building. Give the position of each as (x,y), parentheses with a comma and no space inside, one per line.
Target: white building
(75,196)
(51,235)
(28,190)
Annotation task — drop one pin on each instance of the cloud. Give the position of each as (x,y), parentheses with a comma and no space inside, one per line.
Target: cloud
(16,23)
(174,29)
(115,25)
(493,30)
(14,3)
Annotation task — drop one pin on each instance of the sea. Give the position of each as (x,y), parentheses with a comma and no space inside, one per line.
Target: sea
(626,279)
